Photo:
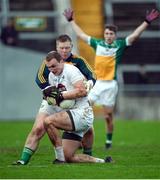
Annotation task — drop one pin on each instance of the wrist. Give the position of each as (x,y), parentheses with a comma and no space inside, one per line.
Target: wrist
(61,97)
(147,21)
(70,19)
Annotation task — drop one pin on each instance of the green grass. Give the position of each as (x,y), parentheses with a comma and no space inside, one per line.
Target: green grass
(136,150)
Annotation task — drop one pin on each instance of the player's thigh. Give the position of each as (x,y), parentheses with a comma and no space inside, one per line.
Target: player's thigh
(103,92)
(108,96)
(82,118)
(70,147)
(60,120)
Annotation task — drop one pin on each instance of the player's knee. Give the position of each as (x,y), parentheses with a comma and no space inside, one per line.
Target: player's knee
(108,117)
(68,157)
(68,153)
(47,122)
(90,132)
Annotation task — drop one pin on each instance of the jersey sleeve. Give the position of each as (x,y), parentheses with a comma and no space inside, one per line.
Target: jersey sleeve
(86,70)
(74,74)
(93,42)
(42,76)
(127,42)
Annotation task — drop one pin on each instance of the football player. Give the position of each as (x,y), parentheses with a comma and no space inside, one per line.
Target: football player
(109,53)
(64,47)
(74,121)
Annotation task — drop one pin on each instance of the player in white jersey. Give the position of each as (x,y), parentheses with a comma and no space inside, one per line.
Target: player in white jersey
(74,121)
(109,51)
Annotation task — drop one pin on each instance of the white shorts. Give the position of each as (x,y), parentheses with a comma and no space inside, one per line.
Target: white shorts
(49,109)
(82,118)
(104,93)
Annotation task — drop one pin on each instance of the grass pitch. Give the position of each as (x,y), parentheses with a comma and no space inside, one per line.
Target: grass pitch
(136,150)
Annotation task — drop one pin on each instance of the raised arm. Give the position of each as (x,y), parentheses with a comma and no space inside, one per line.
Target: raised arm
(68,13)
(151,16)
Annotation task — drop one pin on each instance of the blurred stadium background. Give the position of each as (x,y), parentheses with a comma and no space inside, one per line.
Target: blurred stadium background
(40,22)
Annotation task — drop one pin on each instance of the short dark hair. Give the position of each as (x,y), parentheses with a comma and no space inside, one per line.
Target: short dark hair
(55,55)
(63,38)
(111,27)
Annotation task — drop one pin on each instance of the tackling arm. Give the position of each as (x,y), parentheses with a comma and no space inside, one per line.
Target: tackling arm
(42,76)
(86,70)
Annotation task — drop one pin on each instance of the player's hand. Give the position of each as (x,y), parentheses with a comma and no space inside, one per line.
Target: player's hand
(151,16)
(68,13)
(88,85)
(53,92)
(48,90)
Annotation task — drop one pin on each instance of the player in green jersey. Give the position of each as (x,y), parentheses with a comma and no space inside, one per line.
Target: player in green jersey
(109,52)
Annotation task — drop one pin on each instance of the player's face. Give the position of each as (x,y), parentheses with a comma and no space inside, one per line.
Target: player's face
(109,36)
(55,67)
(64,49)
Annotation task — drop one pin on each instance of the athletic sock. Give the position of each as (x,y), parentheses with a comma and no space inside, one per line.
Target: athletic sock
(109,138)
(87,151)
(26,155)
(98,160)
(59,153)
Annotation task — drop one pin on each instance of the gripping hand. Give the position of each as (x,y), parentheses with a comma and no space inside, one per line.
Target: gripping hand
(68,13)
(48,91)
(54,93)
(88,85)
(151,16)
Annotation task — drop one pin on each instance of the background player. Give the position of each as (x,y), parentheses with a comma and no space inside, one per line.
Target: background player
(109,53)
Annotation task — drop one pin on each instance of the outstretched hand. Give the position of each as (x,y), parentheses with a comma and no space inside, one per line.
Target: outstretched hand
(68,13)
(151,16)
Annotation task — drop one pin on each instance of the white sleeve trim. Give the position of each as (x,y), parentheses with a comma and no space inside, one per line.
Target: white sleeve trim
(89,40)
(127,42)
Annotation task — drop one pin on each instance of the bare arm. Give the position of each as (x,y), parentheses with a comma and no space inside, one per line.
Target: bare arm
(151,16)
(78,91)
(137,32)
(80,33)
(54,96)
(68,13)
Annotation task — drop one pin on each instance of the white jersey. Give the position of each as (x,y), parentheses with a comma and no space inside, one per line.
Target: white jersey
(68,78)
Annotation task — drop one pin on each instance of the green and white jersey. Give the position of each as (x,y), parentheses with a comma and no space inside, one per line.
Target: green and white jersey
(108,56)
